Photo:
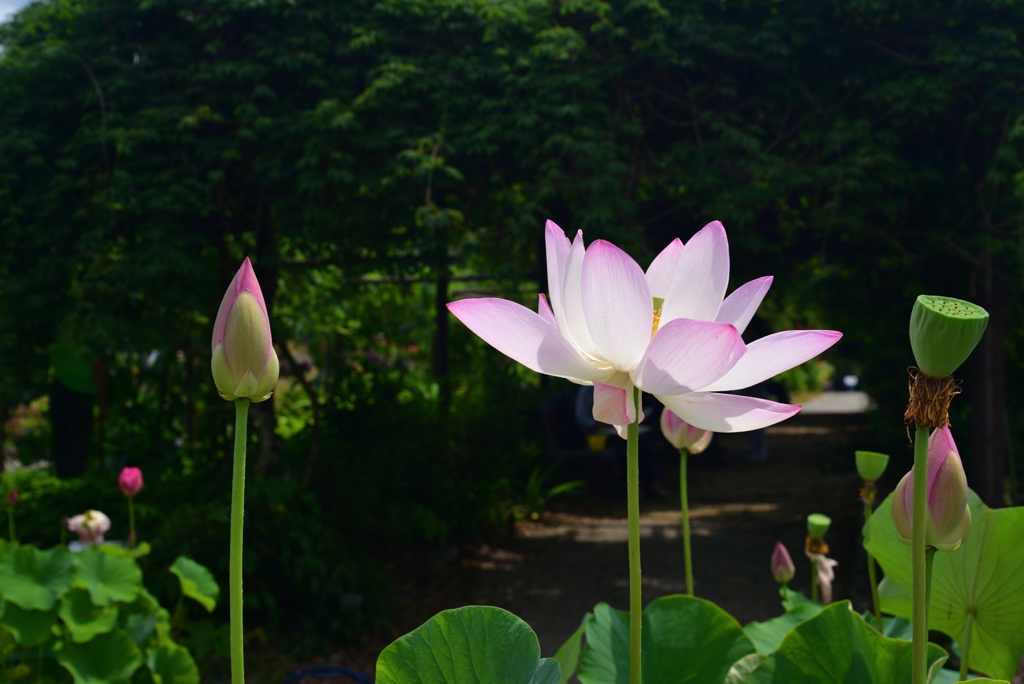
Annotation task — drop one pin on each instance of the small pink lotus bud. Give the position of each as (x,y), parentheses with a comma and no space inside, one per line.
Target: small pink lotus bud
(244,362)
(948,516)
(682,435)
(130,482)
(782,564)
(12,497)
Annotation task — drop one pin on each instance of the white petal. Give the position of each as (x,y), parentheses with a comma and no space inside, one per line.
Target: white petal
(557,247)
(572,299)
(769,356)
(545,311)
(663,269)
(521,334)
(618,305)
(686,355)
(739,307)
(702,274)
(613,405)
(727,412)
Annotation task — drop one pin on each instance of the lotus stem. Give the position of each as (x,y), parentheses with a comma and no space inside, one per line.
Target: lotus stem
(10,521)
(131,524)
(633,506)
(814,582)
(235,568)
(965,648)
(872,576)
(919,652)
(684,455)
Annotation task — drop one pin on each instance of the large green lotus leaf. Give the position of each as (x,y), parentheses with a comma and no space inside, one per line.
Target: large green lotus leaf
(196,582)
(172,664)
(83,618)
(837,646)
(109,658)
(139,551)
(30,627)
(982,576)
(768,635)
(108,578)
(895,628)
(471,645)
(683,639)
(34,579)
(982,680)
(568,656)
(742,668)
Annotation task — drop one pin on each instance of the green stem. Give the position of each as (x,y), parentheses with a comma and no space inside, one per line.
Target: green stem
(685,506)
(235,567)
(10,521)
(965,645)
(633,507)
(919,650)
(872,576)
(814,582)
(929,559)
(131,524)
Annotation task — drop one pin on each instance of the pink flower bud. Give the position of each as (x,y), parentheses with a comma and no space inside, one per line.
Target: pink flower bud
(130,482)
(244,362)
(12,497)
(948,517)
(782,564)
(682,435)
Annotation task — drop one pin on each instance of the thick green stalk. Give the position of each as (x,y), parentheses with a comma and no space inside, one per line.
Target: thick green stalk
(235,567)
(814,582)
(872,576)
(685,506)
(919,650)
(131,524)
(965,644)
(10,521)
(633,508)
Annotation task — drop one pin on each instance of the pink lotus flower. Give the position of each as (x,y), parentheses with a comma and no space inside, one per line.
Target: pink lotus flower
(244,362)
(130,482)
(682,435)
(90,526)
(601,328)
(948,516)
(782,564)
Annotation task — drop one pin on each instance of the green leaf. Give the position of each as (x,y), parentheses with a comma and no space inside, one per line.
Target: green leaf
(141,617)
(196,582)
(982,576)
(110,657)
(34,579)
(568,656)
(739,672)
(769,634)
(172,664)
(471,645)
(108,578)
(791,599)
(83,618)
(139,551)
(837,646)
(892,627)
(684,639)
(982,680)
(30,627)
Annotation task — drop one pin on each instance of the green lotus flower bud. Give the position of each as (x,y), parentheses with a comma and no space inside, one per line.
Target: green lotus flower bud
(244,362)
(871,464)
(818,524)
(943,333)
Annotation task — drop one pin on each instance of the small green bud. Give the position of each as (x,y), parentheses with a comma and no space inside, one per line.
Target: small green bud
(943,333)
(818,524)
(871,464)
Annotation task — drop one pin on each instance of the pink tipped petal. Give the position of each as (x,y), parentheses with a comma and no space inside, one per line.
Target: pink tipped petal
(767,357)
(617,304)
(545,311)
(663,269)
(613,405)
(521,334)
(245,279)
(686,355)
(727,412)
(572,299)
(702,275)
(557,246)
(739,307)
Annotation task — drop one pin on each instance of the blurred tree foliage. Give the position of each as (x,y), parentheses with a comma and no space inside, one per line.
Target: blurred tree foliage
(379,157)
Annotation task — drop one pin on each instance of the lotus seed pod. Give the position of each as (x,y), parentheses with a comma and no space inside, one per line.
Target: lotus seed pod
(871,464)
(818,524)
(943,333)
